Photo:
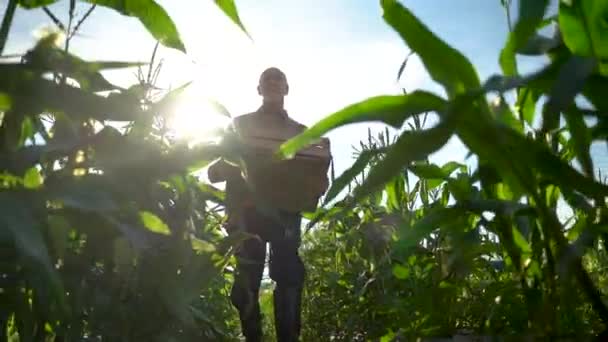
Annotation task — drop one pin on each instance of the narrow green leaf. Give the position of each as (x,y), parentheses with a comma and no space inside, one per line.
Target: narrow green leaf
(411,146)
(526,104)
(154,18)
(531,13)
(581,137)
(154,223)
(46,56)
(32,178)
(220,108)
(230,10)
(445,64)
(393,110)
(349,175)
(170,100)
(521,242)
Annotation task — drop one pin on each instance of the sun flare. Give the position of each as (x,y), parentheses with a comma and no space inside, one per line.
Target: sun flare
(197,120)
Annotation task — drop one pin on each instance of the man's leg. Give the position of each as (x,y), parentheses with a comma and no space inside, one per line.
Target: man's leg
(287,270)
(245,291)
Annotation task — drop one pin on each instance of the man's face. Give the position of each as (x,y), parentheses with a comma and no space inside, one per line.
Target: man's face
(273,85)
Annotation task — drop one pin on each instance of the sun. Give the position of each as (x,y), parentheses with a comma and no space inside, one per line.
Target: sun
(197,119)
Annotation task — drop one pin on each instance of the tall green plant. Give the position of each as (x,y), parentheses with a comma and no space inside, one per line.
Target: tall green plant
(522,171)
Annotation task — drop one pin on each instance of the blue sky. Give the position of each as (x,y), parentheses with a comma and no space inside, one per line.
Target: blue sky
(333,52)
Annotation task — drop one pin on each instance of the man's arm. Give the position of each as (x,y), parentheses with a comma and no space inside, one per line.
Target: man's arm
(221,171)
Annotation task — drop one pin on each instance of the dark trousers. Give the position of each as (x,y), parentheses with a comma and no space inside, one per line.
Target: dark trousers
(286,269)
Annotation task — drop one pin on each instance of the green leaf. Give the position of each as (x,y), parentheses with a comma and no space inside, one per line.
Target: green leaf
(219,108)
(526,104)
(411,146)
(351,173)
(154,18)
(401,272)
(230,10)
(583,26)
(20,221)
(445,64)
(581,138)
(433,219)
(595,90)
(59,229)
(32,178)
(24,86)
(570,82)
(29,4)
(521,242)
(393,110)
(154,223)
(433,174)
(5,102)
(202,246)
(46,56)
(531,14)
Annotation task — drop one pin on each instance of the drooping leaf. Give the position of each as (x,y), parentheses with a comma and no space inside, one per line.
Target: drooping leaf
(531,14)
(154,18)
(393,110)
(154,223)
(411,146)
(445,64)
(230,10)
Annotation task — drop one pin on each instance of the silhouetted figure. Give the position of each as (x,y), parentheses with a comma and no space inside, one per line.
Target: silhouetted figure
(286,267)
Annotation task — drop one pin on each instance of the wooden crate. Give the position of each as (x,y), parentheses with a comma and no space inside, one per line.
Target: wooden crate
(294,184)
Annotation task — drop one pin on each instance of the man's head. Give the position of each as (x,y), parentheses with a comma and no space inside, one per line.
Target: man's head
(273,85)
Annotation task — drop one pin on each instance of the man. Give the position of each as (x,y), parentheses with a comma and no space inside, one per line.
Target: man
(283,233)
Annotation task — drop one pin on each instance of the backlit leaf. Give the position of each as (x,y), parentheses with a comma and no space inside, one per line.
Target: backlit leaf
(230,10)
(393,110)
(154,18)
(445,64)
(32,178)
(531,14)
(154,223)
